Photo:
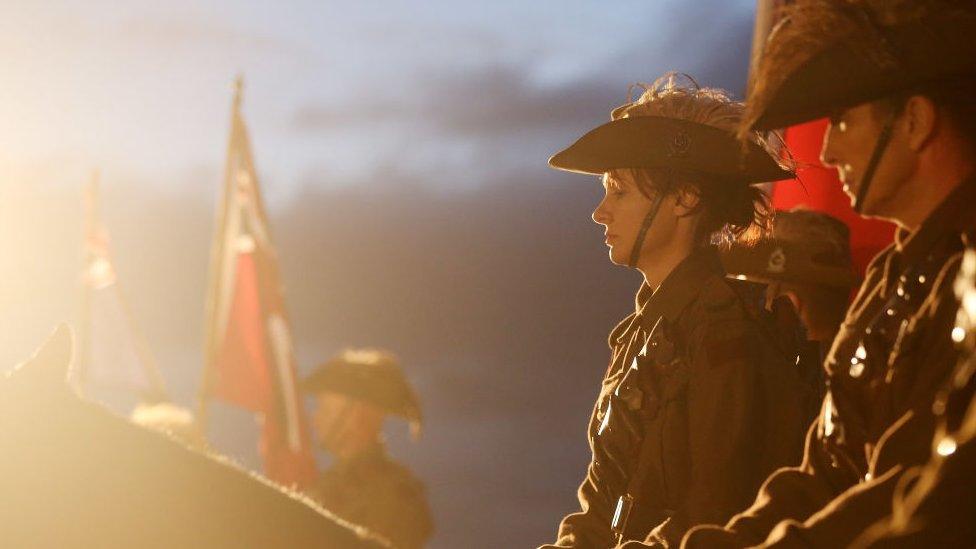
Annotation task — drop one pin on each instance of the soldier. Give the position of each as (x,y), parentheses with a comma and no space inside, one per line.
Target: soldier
(354,392)
(698,403)
(807,261)
(897,80)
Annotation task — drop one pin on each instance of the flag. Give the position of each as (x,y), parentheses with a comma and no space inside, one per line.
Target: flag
(112,353)
(250,361)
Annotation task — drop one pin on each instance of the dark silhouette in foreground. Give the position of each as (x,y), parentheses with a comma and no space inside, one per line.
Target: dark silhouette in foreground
(74,475)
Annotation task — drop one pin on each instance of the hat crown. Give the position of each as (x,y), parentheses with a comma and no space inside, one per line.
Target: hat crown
(829,55)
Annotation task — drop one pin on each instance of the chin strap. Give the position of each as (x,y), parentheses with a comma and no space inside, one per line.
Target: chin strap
(879,148)
(648,219)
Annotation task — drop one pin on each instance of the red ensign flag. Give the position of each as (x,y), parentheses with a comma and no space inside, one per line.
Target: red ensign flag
(250,361)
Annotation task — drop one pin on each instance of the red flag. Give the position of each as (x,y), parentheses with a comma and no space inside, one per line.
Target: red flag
(821,190)
(250,361)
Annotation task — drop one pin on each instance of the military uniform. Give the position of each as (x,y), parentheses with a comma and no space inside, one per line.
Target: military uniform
(374,491)
(697,407)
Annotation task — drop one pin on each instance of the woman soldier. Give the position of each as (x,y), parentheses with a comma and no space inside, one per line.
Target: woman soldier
(700,401)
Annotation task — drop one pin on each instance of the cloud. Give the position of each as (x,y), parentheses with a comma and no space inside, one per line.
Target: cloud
(713,45)
(501,100)
(480,103)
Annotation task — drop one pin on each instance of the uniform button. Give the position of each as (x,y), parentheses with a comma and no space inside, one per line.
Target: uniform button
(921,279)
(946,447)
(857,361)
(958,334)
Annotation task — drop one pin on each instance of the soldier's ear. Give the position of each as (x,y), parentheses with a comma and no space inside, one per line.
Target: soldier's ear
(52,360)
(921,120)
(686,199)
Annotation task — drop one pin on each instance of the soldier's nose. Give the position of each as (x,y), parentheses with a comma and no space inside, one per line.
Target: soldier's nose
(827,154)
(600,214)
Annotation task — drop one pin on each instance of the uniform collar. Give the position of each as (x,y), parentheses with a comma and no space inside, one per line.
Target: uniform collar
(677,291)
(953,215)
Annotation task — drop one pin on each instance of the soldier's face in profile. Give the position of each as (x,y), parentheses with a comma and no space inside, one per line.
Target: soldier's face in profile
(622,212)
(848,146)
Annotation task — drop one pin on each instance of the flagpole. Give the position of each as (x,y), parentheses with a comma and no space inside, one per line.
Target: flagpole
(150,368)
(766,19)
(216,256)
(83,358)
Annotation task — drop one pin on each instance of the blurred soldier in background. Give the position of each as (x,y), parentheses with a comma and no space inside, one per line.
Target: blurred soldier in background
(807,261)
(354,392)
(897,80)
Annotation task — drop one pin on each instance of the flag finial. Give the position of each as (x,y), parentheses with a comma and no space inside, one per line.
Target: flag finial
(238,89)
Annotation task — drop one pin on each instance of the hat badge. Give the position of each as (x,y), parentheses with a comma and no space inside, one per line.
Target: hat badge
(679,144)
(777,261)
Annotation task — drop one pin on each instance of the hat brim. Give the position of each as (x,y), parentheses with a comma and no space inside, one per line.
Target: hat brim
(797,265)
(388,393)
(660,142)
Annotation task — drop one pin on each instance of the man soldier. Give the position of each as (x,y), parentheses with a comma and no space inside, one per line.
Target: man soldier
(806,262)
(354,392)
(897,81)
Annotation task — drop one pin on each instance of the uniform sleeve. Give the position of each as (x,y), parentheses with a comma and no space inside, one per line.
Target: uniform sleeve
(790,493)
(589,527)
(934,505)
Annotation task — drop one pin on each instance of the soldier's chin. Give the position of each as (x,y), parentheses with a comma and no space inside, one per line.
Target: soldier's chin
(618,256)
(850,191)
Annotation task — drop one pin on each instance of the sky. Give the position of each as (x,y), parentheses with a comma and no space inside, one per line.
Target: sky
(402,149)
(333,90)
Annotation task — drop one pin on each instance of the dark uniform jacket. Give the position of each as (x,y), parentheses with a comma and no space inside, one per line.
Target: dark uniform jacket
(697,407)
(935,505)
(375,492)
(890,359)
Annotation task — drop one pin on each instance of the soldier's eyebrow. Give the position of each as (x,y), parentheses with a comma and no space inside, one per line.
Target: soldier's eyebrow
(610,182)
